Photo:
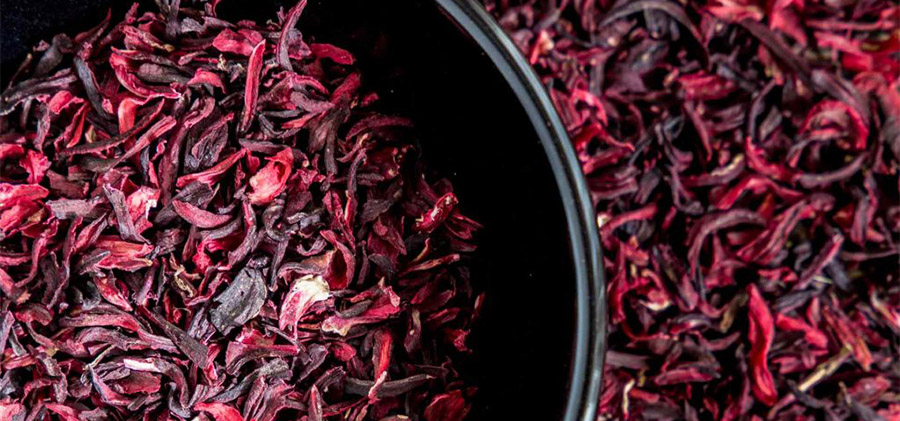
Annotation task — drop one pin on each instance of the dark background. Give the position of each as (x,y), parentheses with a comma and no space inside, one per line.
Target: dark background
(24,23)
(474,131)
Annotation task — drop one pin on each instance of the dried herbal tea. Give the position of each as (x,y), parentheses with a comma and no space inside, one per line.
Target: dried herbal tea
(211,220)
(742,157)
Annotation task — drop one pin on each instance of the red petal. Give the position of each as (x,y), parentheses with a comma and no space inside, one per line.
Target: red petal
(761,334)
(254,68)
(271,180)
(220,411)
(450,406)
(304,292)
(336,54)
(199,217)
(212,174)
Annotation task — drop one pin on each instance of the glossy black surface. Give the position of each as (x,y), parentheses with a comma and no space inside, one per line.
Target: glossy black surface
(543,319)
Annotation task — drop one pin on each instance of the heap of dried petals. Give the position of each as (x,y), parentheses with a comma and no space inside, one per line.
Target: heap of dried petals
(210,220)
(743,159)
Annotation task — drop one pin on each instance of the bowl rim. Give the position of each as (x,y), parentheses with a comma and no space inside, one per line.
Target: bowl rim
(590,331)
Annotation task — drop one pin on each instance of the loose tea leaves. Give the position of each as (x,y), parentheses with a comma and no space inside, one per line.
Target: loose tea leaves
(742,157)
(211,220)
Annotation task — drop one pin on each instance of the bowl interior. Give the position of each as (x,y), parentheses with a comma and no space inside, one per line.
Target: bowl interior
(473,131)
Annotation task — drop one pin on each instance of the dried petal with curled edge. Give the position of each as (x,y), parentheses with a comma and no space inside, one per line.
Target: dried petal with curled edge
(385,305)
(447,407)
(252,89)
(438,214)
(271,180)
(304,292)
(199,217)
(761,334)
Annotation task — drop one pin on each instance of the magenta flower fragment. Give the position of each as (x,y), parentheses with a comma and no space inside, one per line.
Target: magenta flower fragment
(212,220)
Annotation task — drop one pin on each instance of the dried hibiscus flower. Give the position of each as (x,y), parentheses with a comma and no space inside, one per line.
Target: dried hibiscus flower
(211,220)
(743,158)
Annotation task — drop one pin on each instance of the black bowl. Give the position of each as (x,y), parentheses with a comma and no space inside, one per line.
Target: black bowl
(487,124)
